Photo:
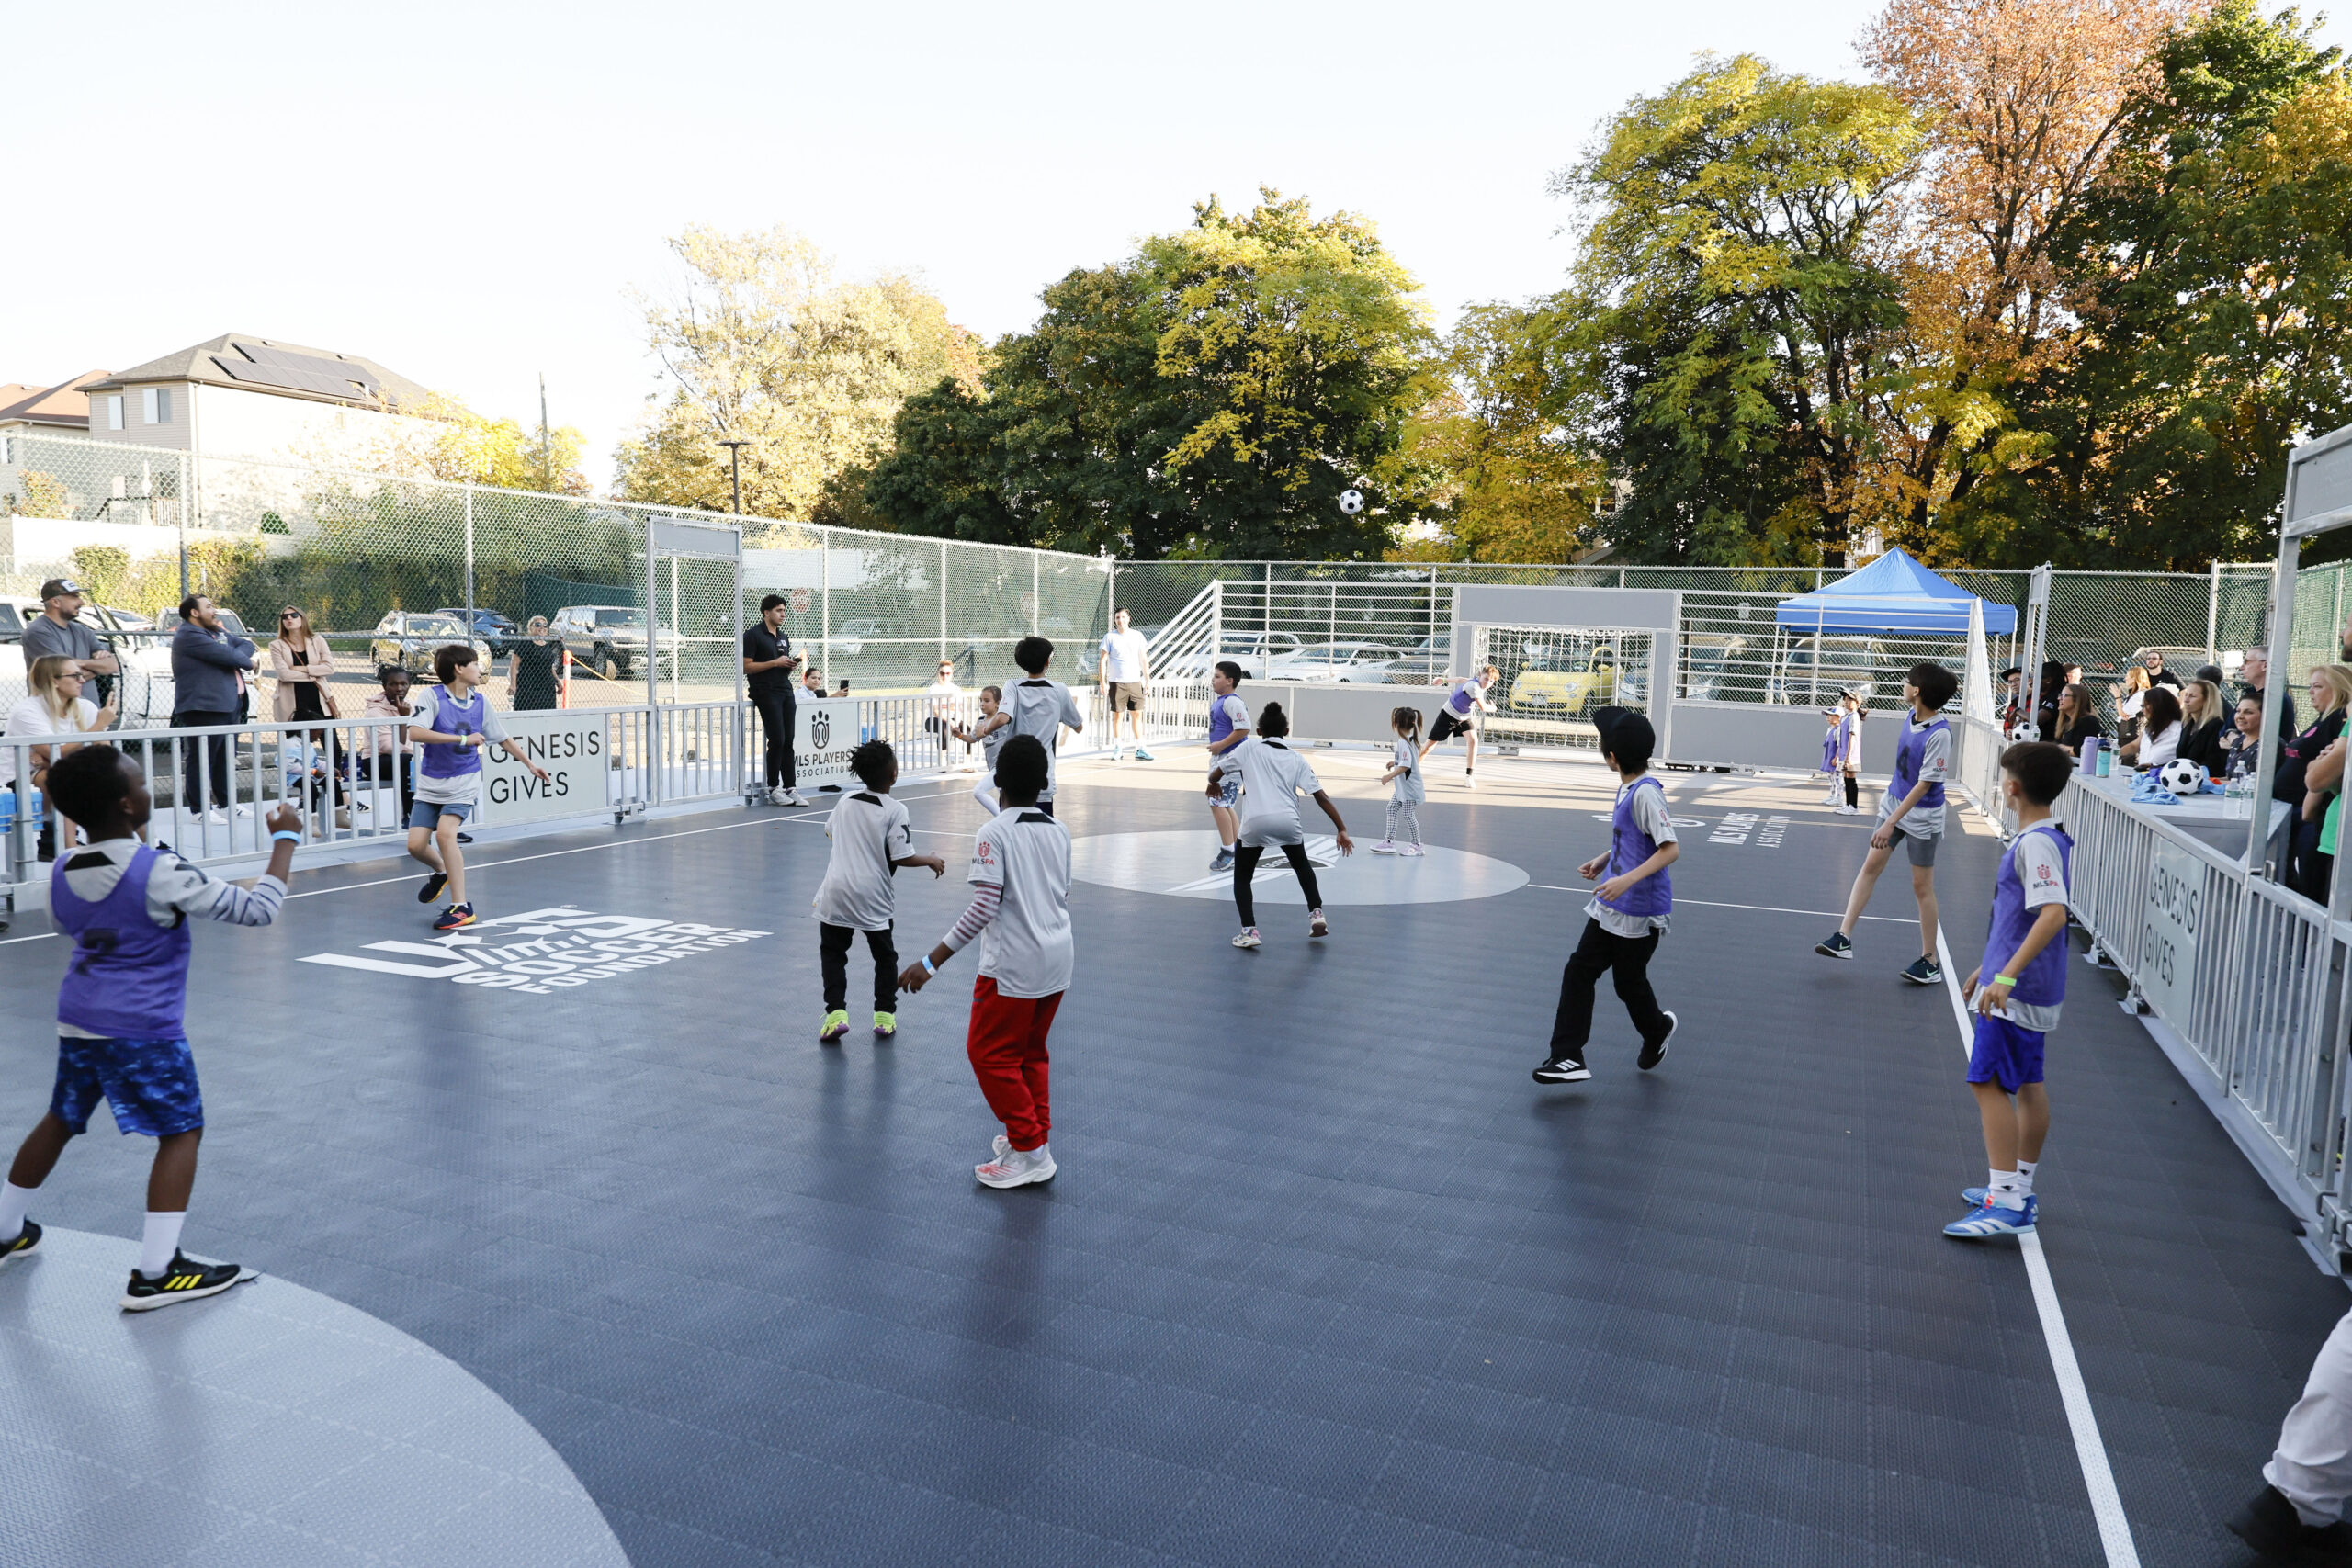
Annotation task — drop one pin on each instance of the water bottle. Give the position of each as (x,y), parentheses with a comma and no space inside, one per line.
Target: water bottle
(2106,762)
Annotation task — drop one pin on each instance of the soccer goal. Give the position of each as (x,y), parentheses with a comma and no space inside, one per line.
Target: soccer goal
(1552,678)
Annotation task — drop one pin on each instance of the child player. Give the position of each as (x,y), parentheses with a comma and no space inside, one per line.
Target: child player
(1912,809)
(1021,904)
(988,734)
(2017,990)
(1228,727)
(1040,707)
(872,838)
(1460,716)
(454,724)
(119,1010)
(1628,913)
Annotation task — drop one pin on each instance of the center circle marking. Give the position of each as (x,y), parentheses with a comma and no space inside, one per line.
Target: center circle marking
(1176,863)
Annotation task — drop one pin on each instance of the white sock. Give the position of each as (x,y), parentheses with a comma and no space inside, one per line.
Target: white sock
(2025,1176)
(160,1240)
(2005,1192)
(14,1201)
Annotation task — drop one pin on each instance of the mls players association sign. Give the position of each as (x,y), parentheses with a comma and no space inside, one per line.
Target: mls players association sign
(541,952)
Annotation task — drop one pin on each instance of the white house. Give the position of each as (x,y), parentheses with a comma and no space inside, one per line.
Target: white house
(246,396)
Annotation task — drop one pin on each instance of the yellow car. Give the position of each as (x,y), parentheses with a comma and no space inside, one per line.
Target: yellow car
(1565,680)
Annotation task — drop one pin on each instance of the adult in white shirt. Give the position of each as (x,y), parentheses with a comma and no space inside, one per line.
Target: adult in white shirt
(55,706)
(947,699)
(2158,741)
(1119,679)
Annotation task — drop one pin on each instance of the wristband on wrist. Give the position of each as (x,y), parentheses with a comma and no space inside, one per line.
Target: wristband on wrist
(2005,979)
(287,834)
(928,967)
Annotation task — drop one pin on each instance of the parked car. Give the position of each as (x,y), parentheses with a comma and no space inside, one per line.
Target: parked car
(1569,681)
(1718,668)
(1343,663)
(410,638)
(141,694)
(495,628)
(1263,656)
(1425,662)
(609,639)
(1814,670)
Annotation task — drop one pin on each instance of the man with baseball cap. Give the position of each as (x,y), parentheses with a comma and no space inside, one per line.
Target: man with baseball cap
(56,631)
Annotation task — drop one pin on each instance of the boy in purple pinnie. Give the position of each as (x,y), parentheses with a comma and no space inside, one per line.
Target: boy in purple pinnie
(120,1009)
(1628,914)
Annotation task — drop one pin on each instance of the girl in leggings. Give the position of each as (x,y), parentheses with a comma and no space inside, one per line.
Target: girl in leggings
(989,734)
(1273,778)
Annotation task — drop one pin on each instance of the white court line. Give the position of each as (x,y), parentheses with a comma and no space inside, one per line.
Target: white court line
(1759,909)
(2090,1452)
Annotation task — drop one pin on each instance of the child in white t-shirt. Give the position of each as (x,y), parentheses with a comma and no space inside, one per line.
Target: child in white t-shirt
(1273,778)
(1405,790)
(988,734)
(872,838)
(1021,908)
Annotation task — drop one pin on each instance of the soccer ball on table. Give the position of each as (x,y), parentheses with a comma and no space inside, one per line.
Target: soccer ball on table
(2182,776)
(1351,501)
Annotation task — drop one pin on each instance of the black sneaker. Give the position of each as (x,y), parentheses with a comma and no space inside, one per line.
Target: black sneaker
(2270,1525)
(26,1240)
(455,917)
(185,1280)
(431,889)
(1925,971)
(1562,1069)
(1654,1051)
(1836,944)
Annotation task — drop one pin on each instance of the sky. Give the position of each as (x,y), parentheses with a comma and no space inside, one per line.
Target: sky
(468,193)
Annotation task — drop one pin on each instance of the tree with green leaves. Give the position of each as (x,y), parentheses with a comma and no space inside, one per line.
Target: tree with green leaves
(1734,297)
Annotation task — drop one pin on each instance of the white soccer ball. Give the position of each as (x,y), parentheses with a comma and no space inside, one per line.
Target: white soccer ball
(2025,732)
(2182,776)
(1351,501)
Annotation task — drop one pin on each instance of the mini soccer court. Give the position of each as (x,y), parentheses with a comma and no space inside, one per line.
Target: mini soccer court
(575,1243)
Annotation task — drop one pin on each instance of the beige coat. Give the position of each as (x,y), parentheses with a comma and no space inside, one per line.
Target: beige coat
(285,672)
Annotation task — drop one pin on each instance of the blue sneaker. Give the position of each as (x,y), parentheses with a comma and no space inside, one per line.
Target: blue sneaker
(1223,861)
(1991,1219)
(1974,1196)
(1142,755)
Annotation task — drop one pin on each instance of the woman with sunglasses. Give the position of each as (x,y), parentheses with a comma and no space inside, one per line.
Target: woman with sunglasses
(303,667)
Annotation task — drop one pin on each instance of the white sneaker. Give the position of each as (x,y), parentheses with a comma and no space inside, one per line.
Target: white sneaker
(1315,924)
(217,816)
(1386,847)
(1014,1169)
(1468,781)
(1412,850)
(787,797)
(1142,755)
(1249,938)
(244,811)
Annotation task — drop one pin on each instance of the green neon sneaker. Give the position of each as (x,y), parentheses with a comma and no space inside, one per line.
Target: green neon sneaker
(886,1024)
(836,1024)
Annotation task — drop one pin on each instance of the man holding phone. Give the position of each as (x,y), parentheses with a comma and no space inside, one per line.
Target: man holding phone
(768,662)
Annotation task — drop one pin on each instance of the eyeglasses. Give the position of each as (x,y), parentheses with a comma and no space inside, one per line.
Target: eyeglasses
(291,616)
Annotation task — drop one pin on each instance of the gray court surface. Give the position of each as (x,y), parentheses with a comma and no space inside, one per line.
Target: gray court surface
(1324,1279)
(270,1426)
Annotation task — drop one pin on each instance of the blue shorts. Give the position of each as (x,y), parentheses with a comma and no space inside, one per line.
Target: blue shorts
(1228,791)
(427,814)
(2005,1054)
(150,1084)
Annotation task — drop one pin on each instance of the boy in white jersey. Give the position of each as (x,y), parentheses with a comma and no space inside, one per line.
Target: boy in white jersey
(872,838)
(1041,707)
(1021,904)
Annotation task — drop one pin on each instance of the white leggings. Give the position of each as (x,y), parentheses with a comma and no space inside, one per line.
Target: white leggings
(984,792)
(1405,813)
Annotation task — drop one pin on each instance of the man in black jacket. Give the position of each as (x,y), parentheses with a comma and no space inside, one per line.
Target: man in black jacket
(209,666)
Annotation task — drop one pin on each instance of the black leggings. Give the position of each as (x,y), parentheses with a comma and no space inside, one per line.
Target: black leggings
(832,963)
(1245,866)
(1853,790)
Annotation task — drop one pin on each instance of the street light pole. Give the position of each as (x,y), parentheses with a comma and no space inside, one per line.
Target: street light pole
(735,464)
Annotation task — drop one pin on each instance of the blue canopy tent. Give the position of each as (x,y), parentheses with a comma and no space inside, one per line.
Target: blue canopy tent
(1894,593)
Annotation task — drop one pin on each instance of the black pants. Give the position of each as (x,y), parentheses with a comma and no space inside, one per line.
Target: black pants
(213,747)
(1245,867)
(2314,868)
(1853,790)
(1598,954)
(390,767)
(775,721)
(832,955)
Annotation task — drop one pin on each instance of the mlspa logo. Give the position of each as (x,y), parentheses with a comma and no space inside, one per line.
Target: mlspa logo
(543,951)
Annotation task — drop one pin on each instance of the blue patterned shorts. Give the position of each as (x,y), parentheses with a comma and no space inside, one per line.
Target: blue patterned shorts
(150,1084)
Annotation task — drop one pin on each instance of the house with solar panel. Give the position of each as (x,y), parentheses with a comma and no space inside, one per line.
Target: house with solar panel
(246,396)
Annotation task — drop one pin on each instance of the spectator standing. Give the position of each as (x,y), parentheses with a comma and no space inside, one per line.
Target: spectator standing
(2331,690)
(768,662)
(54,706)
(209,670)
(58,632)
(2322,805)
(2075,722)
(390,749)
(531,669)
(2153,663)
(2128,698)
(947,699)
(1119,677)
(2202,723)
(303,665)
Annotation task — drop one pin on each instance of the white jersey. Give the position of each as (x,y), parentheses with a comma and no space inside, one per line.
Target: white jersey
(1408,785)
(1272,775)
(1122,655)
(993,742)
(1027,949)
(1041,707)
(859,891)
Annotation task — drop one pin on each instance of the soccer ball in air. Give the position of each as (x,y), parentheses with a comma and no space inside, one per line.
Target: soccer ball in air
(1351,501)
(2182,776)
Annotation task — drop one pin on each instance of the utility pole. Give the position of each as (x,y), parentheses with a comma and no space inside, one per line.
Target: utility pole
(735,466)
(546,440)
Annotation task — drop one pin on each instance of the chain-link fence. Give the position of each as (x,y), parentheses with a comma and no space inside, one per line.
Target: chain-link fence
(391,567)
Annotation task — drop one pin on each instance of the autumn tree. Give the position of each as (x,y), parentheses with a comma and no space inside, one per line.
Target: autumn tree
(760,340)
(1733,305)
(2024,101)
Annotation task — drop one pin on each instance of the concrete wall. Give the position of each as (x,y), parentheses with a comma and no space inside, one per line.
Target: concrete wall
(1342,712)
(1759,735)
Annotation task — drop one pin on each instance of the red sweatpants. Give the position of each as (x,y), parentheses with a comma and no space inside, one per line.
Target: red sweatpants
(1007,1046)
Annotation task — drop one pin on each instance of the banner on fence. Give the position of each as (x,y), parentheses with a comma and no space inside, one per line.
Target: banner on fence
(569,744)
(2172,914)
(824,732)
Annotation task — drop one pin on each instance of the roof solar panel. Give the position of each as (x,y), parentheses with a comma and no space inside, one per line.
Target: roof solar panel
(262,365)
